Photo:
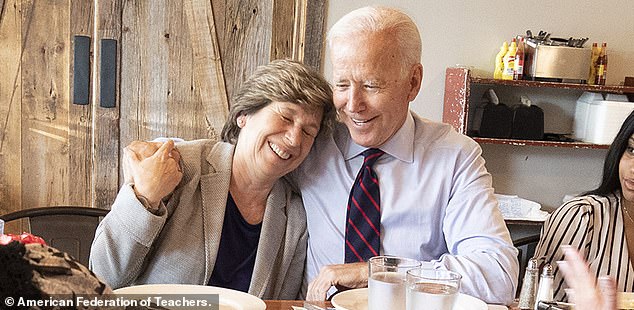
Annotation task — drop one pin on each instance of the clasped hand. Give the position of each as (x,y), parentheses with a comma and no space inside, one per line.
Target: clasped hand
(341,276)
(153,168)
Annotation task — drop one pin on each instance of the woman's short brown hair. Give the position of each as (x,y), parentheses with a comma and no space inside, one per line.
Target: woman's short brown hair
(281,81)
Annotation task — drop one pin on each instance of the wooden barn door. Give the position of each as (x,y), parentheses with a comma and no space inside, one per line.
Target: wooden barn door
(45,140)
(176,65)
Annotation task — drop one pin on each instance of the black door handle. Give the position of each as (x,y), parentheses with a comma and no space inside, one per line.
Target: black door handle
(81,70)
(108,75)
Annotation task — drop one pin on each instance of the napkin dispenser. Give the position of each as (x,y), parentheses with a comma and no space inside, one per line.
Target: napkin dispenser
(597,119)
(528,122)
(555,63)
(493,119)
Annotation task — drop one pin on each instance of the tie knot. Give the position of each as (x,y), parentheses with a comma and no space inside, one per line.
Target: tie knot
(370,156)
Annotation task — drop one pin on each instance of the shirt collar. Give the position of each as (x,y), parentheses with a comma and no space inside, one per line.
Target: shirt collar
(400,145)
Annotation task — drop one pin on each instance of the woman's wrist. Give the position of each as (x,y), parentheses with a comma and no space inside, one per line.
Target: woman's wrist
(150,205)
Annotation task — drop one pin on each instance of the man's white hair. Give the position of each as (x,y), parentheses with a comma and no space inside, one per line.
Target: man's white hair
(375,19)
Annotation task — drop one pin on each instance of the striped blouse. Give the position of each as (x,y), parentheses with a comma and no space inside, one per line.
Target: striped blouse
(593,224)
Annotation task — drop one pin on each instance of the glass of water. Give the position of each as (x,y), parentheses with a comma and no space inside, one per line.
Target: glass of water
(432,289)
(386,283)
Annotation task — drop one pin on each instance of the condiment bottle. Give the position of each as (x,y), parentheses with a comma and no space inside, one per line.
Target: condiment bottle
(518,70)
(602,65)
(545,290)
(509,61)
(593,63)
(528,293)
(499,62)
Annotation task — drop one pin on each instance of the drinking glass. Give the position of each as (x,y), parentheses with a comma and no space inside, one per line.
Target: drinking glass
(386,282)
(1,227)
(432,289)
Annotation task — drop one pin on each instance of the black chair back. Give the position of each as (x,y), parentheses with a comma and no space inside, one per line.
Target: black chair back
(526,249)
(68,228)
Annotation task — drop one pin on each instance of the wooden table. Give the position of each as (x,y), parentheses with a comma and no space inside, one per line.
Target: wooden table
(287,304)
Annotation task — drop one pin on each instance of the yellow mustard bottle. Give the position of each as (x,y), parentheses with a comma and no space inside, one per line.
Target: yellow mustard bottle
(499,63)
(509,61)
(593,63)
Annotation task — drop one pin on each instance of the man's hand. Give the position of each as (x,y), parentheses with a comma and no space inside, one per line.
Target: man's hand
(583,293)
(145,149)
(342,276)
(155,174)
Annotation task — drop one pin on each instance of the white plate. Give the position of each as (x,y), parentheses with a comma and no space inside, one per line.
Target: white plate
(229,299)
(357,299)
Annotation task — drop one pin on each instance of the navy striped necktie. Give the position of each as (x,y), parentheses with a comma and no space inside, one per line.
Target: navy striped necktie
(363,220)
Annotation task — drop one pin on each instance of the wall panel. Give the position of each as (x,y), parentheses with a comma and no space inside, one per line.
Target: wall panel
(10,106)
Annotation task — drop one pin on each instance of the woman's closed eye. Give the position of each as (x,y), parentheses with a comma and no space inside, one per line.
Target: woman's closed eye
(311,132)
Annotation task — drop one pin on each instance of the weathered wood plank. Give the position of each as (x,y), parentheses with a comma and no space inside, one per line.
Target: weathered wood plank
(2,9)
(10,109)
(247,39)
(186,112)
(106,120)
(208,73)
(80,116)
(131,92)
(282,29)
(144,79)
(165,72)
(219,8)
(45,100)
(298,31)
(315,33)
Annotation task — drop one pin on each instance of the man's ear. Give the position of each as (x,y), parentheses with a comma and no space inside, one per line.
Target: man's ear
(415,81)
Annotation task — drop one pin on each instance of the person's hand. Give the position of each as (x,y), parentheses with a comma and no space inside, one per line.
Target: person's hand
(145,149)
(154,176)
(583,292)
(342,276)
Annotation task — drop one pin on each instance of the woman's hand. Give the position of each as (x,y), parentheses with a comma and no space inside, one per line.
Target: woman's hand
(154,174)
(583,292)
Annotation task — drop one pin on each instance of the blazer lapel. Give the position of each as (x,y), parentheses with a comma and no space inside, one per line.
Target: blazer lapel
(271,238)
(214,188)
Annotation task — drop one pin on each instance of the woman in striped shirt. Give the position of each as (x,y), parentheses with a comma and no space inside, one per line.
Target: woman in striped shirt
(601,222)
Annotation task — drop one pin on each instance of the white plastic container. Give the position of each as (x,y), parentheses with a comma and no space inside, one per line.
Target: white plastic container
(579,130)
(604,119)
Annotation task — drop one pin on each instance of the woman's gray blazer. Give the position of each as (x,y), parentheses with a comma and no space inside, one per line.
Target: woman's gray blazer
(179,245)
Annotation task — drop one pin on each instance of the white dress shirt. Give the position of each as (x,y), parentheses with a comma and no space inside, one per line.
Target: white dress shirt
(437,205)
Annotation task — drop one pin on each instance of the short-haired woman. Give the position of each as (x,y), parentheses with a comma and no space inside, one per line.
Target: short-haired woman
(228,219)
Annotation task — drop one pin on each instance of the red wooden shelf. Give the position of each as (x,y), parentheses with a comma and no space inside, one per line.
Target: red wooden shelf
(517,142)
(458,83)
(613,89)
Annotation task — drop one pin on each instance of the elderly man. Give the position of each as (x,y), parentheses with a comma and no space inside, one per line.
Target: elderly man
(429,194)
(422,190)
